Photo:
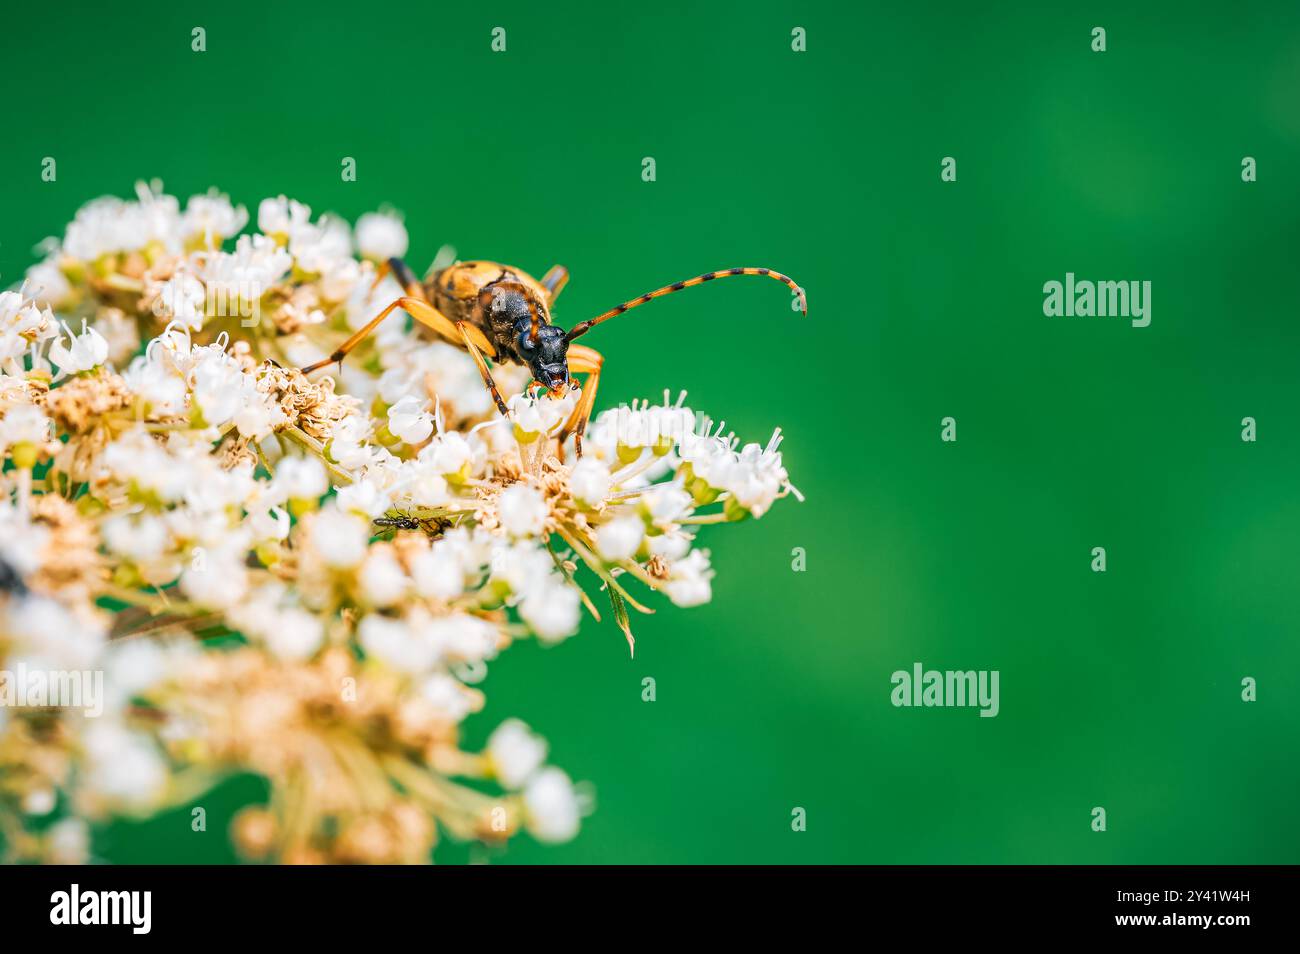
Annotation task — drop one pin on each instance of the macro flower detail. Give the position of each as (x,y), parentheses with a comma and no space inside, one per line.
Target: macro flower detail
(306,576)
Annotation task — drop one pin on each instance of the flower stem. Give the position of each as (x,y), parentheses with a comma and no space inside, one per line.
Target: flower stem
(305,440)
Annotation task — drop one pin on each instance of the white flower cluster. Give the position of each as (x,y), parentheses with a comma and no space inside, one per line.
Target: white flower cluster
(303,578)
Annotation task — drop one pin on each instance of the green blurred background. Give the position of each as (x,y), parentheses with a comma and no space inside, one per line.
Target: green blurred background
(1120,689)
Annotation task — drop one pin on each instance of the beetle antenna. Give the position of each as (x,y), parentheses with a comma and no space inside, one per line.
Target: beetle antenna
(581,329)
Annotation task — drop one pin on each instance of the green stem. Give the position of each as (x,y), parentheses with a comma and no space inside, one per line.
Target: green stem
(705,518)
(306,441)
(598,567)
(155,604)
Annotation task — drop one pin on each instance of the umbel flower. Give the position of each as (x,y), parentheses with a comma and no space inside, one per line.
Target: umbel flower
(213,564)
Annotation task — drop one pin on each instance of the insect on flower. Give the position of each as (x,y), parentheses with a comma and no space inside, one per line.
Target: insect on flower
(503,313)
(162,460)
(397,523)
(408,521)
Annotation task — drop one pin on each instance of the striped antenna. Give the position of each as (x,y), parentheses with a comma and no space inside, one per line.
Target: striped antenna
(581,329)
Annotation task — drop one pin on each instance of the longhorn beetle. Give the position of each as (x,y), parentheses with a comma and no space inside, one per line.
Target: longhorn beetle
(500,312)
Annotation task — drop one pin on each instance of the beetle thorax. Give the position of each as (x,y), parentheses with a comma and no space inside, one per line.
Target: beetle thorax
(510,312)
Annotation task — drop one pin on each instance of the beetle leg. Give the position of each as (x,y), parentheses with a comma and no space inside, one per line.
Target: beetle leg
(556,277)
(466,330)
(582,360)
(402,272)
(422,312)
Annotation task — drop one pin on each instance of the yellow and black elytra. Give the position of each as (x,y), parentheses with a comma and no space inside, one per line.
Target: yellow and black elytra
(500,312)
